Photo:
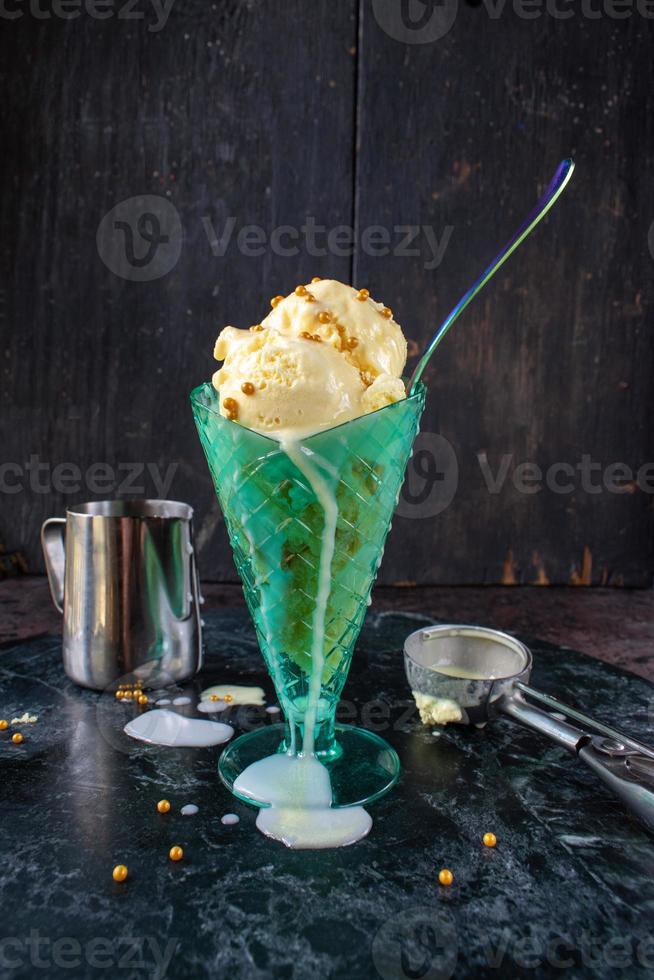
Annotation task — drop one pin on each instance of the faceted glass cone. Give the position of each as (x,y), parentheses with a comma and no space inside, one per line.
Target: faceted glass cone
(275,524)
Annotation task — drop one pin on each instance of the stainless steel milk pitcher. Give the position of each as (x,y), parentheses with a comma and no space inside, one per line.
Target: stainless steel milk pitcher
(124,575)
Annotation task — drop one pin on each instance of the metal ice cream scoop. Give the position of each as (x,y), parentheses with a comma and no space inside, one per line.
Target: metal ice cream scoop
(485,673)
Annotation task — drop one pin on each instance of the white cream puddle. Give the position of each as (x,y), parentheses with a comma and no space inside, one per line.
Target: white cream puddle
(297,787)
(300,814)
(212,707)
(229,819)
(182,700)
(237,694)
(189,810)
(162,727)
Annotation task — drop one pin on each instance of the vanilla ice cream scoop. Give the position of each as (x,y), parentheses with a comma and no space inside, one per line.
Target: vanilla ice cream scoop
(348,320)
(324,355)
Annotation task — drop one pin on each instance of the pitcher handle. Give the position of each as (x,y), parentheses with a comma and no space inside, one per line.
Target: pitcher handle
(54,552)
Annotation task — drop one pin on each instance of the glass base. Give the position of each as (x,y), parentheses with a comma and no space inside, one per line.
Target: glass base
(366,768)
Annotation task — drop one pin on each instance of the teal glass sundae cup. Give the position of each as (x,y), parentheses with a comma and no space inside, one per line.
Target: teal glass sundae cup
(307,527)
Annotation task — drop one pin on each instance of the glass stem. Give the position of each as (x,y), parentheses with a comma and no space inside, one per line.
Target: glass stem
(325,746)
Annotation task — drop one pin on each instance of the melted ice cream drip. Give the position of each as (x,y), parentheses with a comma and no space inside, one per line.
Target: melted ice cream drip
(212,707)
(298,787)
(300,814)
(162,727)
(236,694)
(229,819)
(327,501)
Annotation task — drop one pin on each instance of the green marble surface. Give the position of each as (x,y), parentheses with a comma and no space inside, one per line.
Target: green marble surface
(567,892)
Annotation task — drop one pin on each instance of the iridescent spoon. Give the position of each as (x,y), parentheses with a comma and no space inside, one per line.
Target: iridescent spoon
(553,192)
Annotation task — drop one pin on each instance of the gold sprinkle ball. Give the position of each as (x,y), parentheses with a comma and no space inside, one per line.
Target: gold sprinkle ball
(316,279)
(119,873)
(445,877)
(317,338)
(176,853)
(489,839)
(363,295)
(351,343)
(257,328)
(232,416)
(230,404)
(4,724)
(163,806)
(275,301)
(214,697)
(120,695)
(17,738)
(387,313)
(248,388)
(309,297)
(305,334)
(128,695)
(228,698)
(300,290)
(324,317)
(142,699)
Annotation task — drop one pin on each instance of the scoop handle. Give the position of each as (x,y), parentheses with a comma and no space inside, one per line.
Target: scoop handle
(631,777)
(561,732)
(628,773)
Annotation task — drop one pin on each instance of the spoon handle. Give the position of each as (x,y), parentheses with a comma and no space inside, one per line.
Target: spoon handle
(553,192)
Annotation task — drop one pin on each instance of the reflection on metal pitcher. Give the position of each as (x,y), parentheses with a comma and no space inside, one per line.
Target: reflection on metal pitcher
(124,575)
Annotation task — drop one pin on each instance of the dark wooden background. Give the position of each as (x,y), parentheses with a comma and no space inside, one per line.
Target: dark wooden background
(274,111)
